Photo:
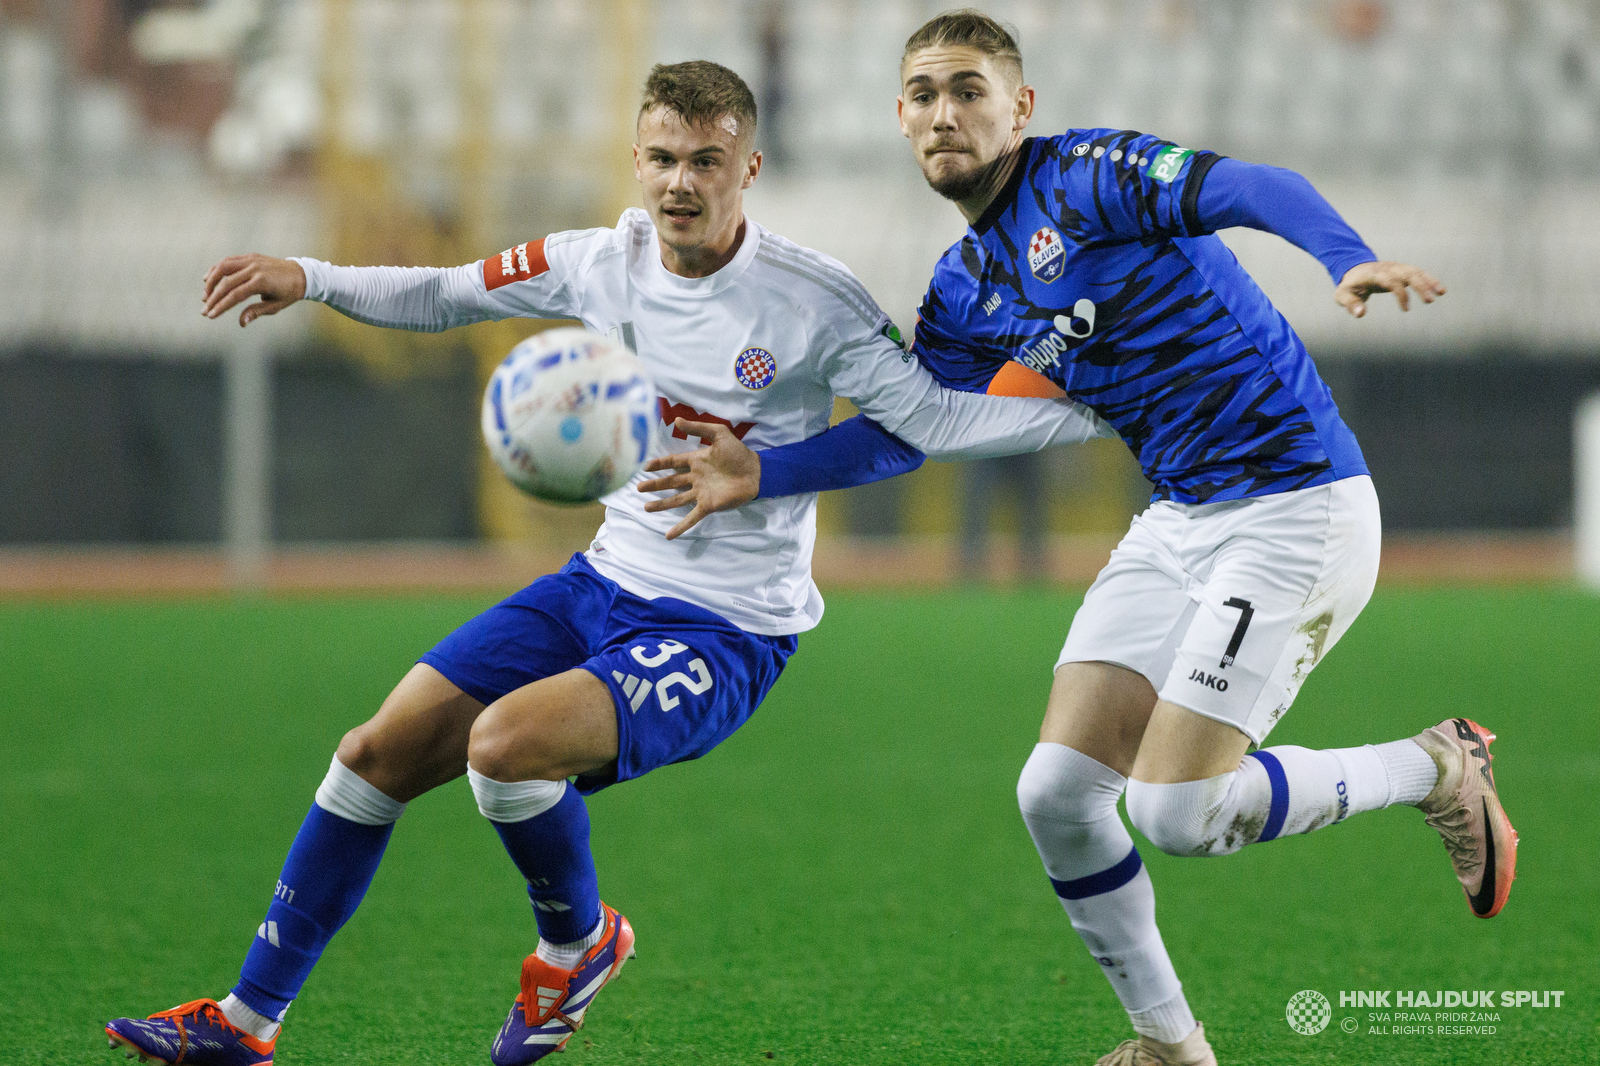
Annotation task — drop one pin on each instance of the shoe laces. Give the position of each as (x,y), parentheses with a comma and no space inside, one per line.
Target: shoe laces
(1455,827)
(202,1009)
(1128,1053)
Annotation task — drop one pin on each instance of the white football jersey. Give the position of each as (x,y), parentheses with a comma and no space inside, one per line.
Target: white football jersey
(762,346)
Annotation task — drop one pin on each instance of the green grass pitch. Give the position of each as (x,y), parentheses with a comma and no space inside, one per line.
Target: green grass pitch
(846,881)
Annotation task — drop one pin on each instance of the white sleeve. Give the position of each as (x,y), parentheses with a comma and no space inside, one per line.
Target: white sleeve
(894,390)
(530,280)
(428,299)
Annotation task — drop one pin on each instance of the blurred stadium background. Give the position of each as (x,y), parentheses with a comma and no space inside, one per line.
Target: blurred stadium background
(848,881)
(142,140)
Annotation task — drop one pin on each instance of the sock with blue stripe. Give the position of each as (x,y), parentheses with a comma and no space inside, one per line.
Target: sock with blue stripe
(545,828)
(1279,791)
(331,862)
(1069,802)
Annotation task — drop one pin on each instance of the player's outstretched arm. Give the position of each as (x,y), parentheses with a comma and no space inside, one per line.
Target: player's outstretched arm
(1274,200)
(279,283)
(1367,279)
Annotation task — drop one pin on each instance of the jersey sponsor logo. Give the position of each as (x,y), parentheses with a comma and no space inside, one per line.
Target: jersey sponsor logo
(1166,166)
(1047,256)
(892,331)
(991,304)
(755,368)
(1080,149)
(1047,352)
(524,261)
(670,412)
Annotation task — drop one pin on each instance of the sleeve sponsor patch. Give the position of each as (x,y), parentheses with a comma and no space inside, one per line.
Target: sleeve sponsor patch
(1165,167)
(515,264)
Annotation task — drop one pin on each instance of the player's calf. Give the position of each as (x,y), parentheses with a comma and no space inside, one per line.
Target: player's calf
(1278,791)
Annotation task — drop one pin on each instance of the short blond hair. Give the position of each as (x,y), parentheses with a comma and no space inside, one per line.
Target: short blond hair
(701,92)
(969,28)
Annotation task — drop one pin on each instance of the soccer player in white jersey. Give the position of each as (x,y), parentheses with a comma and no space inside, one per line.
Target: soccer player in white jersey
(644,650)
(1091,270)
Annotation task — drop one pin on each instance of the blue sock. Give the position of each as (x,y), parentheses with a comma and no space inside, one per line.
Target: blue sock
(330,865)
(552,851)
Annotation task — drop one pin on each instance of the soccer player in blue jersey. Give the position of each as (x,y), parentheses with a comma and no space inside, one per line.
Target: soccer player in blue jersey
(1090,269)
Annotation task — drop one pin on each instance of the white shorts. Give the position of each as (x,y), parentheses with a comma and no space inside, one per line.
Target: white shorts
(1226,607)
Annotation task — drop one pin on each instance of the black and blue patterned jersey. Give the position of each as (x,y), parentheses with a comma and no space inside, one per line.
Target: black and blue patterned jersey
(1097,268)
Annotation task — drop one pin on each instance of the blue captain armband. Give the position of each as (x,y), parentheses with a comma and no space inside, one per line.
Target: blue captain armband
(857,451)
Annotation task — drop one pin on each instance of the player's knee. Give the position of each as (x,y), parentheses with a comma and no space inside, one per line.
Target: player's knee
(491,750)
(497,748)
(1064,785)
(1181,819)
(362,749)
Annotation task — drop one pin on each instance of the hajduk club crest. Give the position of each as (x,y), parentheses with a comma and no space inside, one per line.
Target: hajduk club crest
(1047,256)
(755,368)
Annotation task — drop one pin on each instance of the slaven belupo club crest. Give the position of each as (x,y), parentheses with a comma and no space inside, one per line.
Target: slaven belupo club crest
(1047,256)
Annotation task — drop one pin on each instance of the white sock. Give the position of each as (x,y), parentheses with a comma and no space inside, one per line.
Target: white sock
(567,956)
(242,1015)
(1412,771)
(514,801)
(1069,802)
(1167,1022)
(349,795)
(1275,792)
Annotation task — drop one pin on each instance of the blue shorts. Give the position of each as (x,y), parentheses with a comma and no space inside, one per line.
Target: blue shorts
(683,678)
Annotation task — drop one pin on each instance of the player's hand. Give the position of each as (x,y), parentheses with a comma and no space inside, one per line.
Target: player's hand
(279,283)
(723,475)
(1365,279)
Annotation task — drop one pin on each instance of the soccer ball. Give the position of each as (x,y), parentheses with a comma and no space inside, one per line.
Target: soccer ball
(568,416)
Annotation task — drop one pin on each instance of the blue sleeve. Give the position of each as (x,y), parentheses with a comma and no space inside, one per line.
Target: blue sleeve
(943,342)
(857,451)
(1234,193)
(1127,185)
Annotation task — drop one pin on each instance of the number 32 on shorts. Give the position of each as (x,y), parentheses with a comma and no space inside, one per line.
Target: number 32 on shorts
(700,683)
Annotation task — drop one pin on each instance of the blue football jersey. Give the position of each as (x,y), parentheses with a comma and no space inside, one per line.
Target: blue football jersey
(1094,268)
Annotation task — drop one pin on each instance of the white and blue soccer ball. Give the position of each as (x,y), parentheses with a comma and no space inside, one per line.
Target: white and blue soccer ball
(569,415)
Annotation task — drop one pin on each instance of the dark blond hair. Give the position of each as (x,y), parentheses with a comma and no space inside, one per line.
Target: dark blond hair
(700,92)
(968,28)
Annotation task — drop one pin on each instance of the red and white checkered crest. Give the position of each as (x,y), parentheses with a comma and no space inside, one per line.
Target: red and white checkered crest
(1046,255)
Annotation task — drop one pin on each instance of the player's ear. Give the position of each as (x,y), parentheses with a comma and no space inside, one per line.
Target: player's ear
(637,173)
(1023,112)
(752,168)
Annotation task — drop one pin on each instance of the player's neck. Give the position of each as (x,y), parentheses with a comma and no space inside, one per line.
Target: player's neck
(994,180)
(703,260)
